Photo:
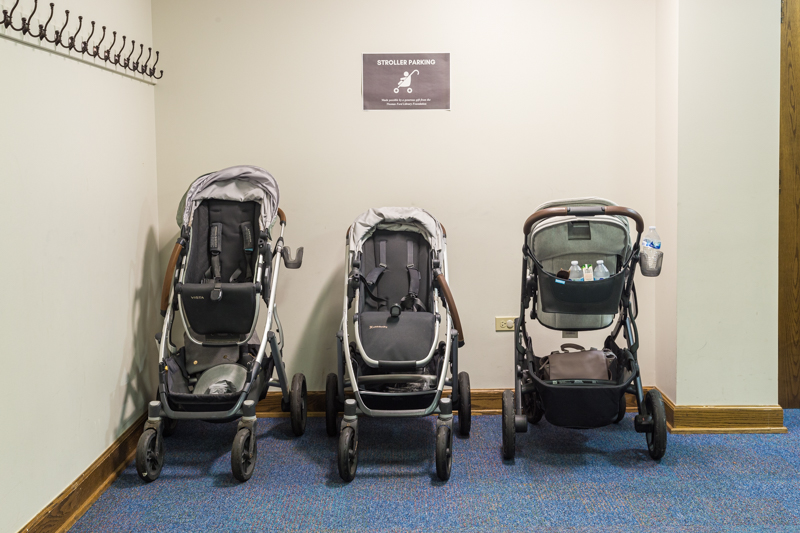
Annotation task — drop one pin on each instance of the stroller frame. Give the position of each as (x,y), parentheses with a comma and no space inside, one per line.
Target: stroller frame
(162,418)
(523,405)
(347,377)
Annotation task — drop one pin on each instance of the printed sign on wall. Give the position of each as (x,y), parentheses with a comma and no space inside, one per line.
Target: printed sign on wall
(406,81)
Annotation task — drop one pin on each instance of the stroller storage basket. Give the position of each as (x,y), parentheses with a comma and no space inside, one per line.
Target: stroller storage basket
(580,298)
(580,406)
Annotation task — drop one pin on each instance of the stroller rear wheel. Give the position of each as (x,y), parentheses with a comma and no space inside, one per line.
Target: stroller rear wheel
(348,454)
(298,405)
(623,408)
(169,426)
(331,404)
(243,462)
(509,431)
(444,452)
(534,409)
(149,460)
(464,404)
(657,438)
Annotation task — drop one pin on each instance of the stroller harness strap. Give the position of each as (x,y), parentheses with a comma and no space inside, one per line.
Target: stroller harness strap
(412,301)
(215,247)
(375,273)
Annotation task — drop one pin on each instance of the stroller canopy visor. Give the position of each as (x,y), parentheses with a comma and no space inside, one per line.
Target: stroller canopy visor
(396,219)
(238,184)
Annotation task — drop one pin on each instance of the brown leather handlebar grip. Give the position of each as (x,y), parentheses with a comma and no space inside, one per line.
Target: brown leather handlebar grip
(173,260)
(444,231)
(612,210)
(451,306)
(282,216)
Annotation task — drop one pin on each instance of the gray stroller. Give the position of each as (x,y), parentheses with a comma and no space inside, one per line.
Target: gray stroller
(395,268)
(585,230)
(220,266)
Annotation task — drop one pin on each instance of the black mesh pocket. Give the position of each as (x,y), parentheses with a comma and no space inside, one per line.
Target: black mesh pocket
(580,297)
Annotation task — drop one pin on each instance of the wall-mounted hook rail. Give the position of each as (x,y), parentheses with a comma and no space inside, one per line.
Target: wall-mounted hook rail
(16,27)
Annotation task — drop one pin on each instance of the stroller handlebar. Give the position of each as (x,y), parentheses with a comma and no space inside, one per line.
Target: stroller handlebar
(451,306)
(173,261)
(282,216)
(584,211)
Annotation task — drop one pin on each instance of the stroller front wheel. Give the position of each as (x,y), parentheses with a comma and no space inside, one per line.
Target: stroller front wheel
(149,455)
(623,408)
(298,405)
(348,454)
(444,452)
(464,404)
(396,90)
(509,431)
(243,461)
(657,438)
(331,404)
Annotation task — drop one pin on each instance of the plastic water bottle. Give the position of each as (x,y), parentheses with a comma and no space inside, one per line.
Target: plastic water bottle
(575,272)
(651,253)
(600,271)
(652,240)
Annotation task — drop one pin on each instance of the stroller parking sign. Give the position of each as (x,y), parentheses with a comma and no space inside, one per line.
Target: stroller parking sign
(406,81)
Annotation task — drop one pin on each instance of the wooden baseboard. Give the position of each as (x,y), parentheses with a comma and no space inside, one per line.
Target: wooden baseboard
(681,419)
(70,505)
(705,419)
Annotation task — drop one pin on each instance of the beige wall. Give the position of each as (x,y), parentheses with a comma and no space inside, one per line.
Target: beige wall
(727,209)
(550,100)
(80,270)
(666,194)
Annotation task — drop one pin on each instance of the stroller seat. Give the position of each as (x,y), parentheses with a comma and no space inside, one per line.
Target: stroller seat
(218,295)
(398,273)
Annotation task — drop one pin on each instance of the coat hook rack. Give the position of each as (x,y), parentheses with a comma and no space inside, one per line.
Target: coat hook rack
(16,27)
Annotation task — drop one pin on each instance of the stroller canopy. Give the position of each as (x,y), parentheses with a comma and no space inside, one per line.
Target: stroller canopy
(238,184)
(396,219)
(548,238)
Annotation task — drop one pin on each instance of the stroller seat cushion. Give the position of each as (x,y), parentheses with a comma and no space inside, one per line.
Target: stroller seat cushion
(408,337)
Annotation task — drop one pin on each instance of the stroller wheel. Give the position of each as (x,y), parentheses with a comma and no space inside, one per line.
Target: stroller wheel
(297,404)
(396,90)
(169,426)
(464,404)
(444,452)
(509,431)
(348,454)
(656,439)
(243,462)
(331,404)
(534,408)
(149,460)
(623,407)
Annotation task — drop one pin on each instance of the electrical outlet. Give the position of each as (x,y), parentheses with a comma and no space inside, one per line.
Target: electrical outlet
(569,334)
(504,323)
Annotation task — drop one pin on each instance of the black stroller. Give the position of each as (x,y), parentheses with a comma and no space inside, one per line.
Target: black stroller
(395,267)
(585,230)
(220,266)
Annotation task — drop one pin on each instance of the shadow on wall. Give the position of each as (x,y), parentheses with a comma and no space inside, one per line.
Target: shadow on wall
(316,351)
(141,379)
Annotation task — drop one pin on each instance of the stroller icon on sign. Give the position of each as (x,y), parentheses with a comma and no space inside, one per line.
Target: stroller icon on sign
(405,81)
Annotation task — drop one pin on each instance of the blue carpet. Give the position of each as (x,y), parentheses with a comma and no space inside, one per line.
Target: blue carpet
(561,480)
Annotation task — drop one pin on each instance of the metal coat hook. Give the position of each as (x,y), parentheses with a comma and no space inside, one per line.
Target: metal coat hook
(65,45)
(143,70)
(96,48)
